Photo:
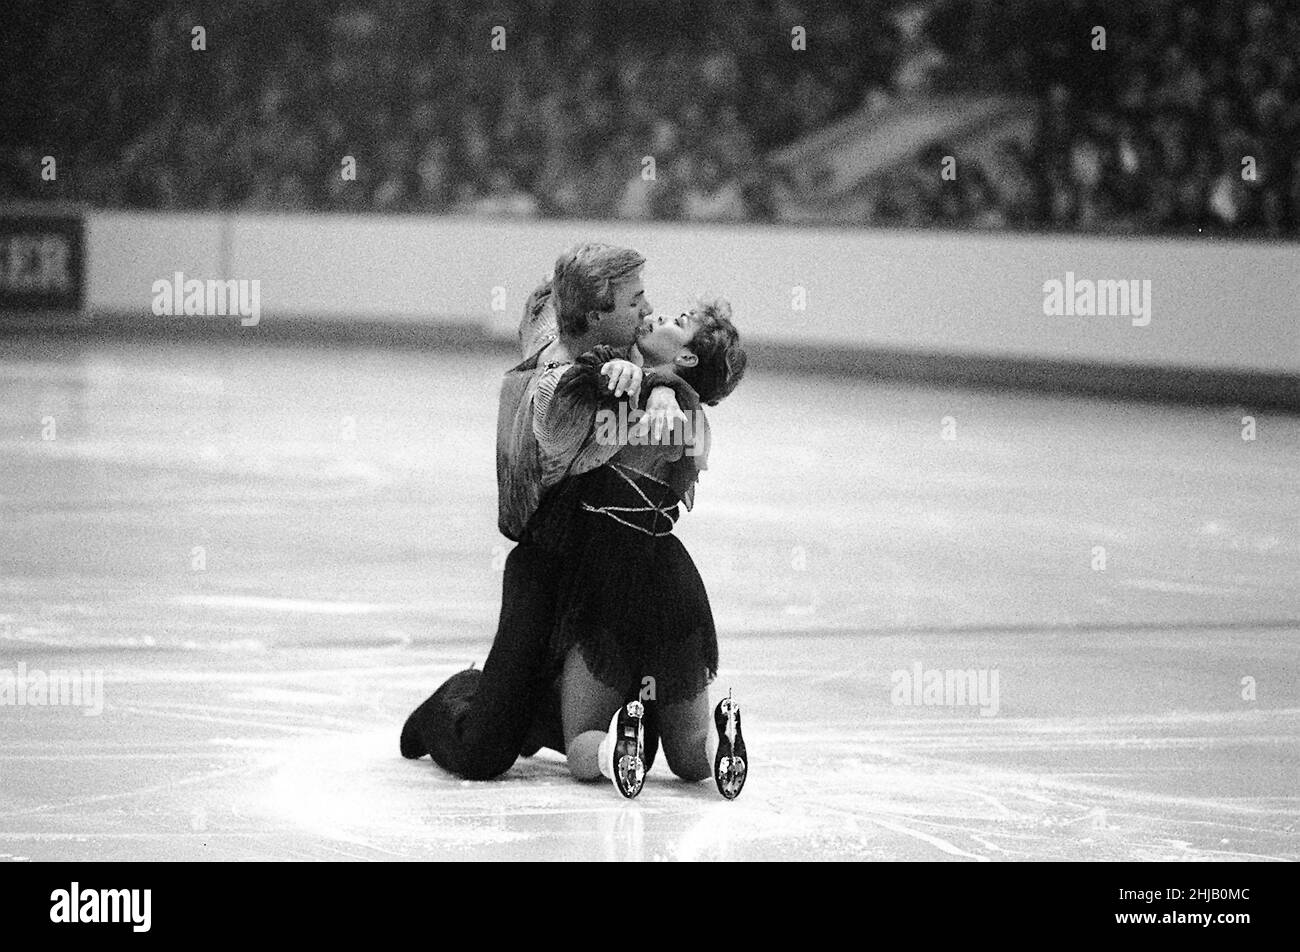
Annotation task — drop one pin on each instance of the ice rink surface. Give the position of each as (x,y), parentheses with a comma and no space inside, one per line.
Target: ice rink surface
(272,553)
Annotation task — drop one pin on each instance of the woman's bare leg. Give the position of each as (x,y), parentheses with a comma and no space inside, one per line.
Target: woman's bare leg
(688,737)
(588,704)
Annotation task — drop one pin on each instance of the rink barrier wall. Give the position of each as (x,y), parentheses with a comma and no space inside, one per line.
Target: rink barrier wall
(1246,390)
(958,307)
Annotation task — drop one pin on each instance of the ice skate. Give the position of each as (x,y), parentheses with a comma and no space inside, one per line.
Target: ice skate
(622,753)
(730,764)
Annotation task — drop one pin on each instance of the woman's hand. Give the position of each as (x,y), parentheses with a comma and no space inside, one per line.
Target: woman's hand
(662,412)
(624,377)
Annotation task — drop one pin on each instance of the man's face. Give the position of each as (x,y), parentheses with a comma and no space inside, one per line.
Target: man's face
(618,326)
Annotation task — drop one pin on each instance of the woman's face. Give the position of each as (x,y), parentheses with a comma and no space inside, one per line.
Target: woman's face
(662,339)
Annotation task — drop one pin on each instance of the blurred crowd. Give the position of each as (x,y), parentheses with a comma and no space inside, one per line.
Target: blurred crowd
(666,109)
(1187,121)
(557,123)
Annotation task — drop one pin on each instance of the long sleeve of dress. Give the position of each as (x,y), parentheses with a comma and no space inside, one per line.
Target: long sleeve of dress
(565,405)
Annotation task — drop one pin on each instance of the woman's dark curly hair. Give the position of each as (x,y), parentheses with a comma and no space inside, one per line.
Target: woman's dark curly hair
(717,346)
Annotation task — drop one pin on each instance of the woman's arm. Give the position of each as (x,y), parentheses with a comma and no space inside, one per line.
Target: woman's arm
(570,397)
(565,405)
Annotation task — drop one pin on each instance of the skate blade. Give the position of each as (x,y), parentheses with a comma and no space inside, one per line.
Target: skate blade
(631,775)
(629,770)
(731,777)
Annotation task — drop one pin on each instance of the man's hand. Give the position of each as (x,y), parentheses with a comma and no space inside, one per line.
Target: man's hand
(624,377)
(662,412)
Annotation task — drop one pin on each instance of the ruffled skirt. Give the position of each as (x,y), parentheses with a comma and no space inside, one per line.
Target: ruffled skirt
(628,597)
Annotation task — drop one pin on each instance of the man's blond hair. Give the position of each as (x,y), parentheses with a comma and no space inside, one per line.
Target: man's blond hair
(584,281)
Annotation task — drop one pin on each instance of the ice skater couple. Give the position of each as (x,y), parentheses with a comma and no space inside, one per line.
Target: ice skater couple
(605,645)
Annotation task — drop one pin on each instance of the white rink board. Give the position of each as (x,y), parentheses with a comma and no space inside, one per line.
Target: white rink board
(1215,305)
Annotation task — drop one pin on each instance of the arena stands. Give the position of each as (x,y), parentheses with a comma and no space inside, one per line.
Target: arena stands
(1153,134)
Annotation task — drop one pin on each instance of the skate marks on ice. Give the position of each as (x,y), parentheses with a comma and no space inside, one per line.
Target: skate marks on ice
(888,792)
(1095,792)
(1151,780)
(280,761)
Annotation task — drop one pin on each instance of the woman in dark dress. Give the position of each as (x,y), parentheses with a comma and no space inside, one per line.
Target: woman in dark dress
(632,618)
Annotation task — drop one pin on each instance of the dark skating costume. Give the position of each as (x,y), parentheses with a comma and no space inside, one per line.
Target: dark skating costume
(628,596)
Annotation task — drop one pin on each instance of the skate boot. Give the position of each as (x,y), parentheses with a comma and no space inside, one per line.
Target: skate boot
(419,736)
(730,764)
(622,752)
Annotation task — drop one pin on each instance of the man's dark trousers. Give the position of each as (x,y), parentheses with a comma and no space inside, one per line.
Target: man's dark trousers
(477,723)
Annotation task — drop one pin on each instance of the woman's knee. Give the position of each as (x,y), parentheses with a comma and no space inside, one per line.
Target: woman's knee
(584,755)
(582,772)
(688,757)
(692,768)
(684,734)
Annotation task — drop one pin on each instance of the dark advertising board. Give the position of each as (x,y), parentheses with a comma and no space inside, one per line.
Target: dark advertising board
(42,259)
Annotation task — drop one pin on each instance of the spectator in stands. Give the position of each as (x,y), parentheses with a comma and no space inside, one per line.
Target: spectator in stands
(1149,135)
